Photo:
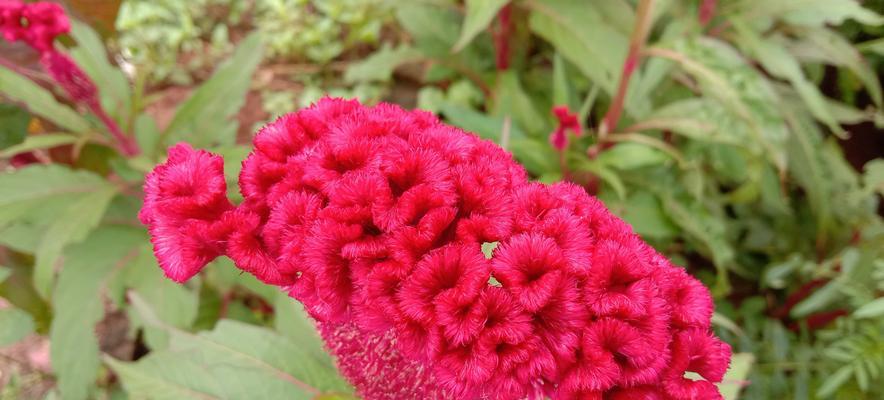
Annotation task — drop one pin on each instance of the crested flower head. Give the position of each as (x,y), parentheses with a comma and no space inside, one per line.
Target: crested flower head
(375,217)
(37,24)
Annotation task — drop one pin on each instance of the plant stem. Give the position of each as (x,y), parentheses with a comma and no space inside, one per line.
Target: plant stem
(633,57)
(126,144)
(502,38)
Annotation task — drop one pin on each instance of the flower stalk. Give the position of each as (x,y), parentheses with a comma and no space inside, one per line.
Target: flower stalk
(38,25)
(636,43)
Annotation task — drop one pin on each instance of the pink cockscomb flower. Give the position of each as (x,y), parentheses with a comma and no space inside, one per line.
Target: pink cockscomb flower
(375,217)
(567,121)
(38,24)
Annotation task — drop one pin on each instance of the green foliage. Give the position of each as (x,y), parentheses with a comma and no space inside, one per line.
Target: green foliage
(39,101)
(15,324)
(233,361)
(204,118)
(318,30)
(154,34)
(13,125)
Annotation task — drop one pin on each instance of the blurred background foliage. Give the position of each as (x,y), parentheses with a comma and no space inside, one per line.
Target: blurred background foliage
(746,145)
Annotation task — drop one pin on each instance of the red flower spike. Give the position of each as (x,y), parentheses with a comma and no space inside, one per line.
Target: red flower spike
(567,121)
(373,217)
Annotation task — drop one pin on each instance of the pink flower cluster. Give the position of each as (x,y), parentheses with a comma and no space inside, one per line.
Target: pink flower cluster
(37,24)
(374,218)
(567,121)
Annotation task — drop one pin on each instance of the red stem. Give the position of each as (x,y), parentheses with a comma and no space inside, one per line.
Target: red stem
(126,144)
(707,11)
(502,38)
(633,57)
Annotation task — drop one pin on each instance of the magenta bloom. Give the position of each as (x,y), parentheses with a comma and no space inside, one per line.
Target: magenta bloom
(38,24)
(568,121)
(374,218)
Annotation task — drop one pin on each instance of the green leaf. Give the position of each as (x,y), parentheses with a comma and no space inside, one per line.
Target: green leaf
(224,275)
(606,174)
(38,142)
(579,32)
(735,378)
(380,65)
(206,117)
(512,100)
(818,300)
(483,125)
(826,45)
(4,273)
(538,158)
(36,187)
(78,303)
(174,304)
(13,125)
(810,12)
(479,14)
(707,231)
(806,167)
(779,63)
(90,54)
(563,93)
(167,376)
(873,175)
(434,29)
(873,309)
(80,218)
(645,213)
(627,156)
(745,103)
(15,324)
(40,101)
(291,320)
(834,381)
(875,46)
(147,134)
(240,360)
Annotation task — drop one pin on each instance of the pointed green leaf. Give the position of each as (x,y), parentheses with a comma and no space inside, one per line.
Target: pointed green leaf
(34,187)
(37,142)
(779,63)
(175,305)
(13,125)
(246,361)
(206,117)
(579,32)
(72,226)
(40,101)
(78,303)
(873,309)
(380,65)
(479,14)
(735,378)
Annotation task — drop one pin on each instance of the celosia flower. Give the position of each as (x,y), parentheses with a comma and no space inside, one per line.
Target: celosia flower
(567,121)
(38,24)
(374,217)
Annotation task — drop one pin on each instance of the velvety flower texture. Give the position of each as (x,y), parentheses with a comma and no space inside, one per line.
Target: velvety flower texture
(374,218)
